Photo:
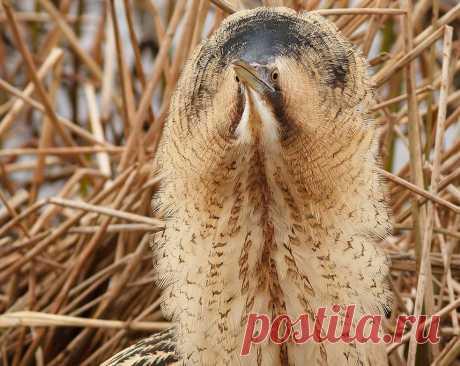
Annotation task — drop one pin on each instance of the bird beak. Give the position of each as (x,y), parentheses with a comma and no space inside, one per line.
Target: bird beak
(249,76)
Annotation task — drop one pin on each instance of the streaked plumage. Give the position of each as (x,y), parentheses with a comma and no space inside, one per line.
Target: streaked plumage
(272,201)
(156,350)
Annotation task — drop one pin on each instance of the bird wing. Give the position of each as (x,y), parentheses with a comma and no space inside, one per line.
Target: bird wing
(156,350)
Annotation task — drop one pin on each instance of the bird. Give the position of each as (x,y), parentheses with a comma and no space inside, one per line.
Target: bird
(271,194)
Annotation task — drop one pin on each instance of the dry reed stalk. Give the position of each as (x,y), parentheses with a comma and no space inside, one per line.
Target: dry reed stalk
(36,319)
(14,110)
(65,122)
(72,38)
(32,73)
(424,276)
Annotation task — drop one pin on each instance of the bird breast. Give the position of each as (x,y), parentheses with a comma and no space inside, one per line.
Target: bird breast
(252,241)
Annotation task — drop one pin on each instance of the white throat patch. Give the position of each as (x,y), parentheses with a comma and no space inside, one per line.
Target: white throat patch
(269,126)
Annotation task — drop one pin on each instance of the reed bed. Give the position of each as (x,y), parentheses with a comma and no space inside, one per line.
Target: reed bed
(84,92)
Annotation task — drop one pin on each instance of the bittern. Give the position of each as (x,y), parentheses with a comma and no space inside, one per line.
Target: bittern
(270,192)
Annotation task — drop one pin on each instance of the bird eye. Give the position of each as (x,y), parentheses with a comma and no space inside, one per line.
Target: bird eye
(275,75)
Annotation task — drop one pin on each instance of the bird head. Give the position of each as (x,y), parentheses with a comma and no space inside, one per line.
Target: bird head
(285,83)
